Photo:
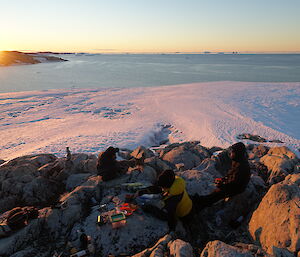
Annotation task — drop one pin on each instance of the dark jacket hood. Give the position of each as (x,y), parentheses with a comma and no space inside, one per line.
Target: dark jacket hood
(240,152)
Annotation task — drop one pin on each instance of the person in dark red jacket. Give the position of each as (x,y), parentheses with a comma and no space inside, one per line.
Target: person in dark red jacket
(236,180)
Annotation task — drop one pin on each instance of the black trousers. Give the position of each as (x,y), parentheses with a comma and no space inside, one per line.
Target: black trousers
(218,194)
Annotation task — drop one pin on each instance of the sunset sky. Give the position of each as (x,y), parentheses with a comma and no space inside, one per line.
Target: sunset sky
(150,25)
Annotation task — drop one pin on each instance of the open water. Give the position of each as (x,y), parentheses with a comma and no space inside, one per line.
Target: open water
(146,70)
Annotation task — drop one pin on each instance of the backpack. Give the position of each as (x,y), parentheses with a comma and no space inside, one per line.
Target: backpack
(18,217)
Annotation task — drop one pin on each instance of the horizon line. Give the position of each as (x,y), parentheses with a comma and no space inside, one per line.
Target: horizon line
(156,52)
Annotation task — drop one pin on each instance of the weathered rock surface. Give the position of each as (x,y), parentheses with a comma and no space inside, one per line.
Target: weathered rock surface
(157,164)
(275,223)
(199,182)
(141,151)
(179,248)
(76,180)
(70,197)
(280,162)
(257,151)
(62,168)
(21,183)
(220,249)
(189,154)
(22,238)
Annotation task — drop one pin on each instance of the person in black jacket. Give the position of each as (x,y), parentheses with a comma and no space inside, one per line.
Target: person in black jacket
(236,180)
(109,168)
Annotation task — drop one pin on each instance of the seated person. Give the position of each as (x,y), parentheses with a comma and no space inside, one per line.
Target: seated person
(109,168)
(177,203)
(236,180)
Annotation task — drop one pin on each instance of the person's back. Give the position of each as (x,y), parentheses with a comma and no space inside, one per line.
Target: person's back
(107,164)
(109,168)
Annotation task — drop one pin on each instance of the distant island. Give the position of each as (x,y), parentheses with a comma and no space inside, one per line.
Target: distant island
(8,58)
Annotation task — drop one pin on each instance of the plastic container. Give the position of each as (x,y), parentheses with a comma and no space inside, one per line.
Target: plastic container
(118,224)
(118,220)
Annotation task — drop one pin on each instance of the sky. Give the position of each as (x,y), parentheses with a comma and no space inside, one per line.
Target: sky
(150,25)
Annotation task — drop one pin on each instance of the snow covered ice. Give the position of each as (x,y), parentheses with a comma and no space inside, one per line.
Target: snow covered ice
(89,120)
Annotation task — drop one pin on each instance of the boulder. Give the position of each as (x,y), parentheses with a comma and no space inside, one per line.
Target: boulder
(9,202)
(219,249)
(180,155)
(258,151)
(158,164)
(209,165)
(36,160)
(141,151)
(199,182)
(76,180)
(53,169)
(148,174)
(73,207)
(179,248)
(21,238)
(82,163)
(201,151)
(41,191)
(280,162)
(259,169)
(159,248)
(21,183)
(190,154)
(275,223)
(62,168)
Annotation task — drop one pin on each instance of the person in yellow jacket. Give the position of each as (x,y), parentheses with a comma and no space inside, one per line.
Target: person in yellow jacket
(177,203)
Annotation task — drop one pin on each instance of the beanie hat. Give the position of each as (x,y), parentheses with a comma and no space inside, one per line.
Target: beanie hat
(166,179)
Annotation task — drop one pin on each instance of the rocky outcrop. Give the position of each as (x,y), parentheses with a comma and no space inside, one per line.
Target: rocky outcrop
(141,151)
(8,58)
(220,249)
(179,248)
(20,239)
(187,155)
(62,168)
(257,151)
(198,182)
(157,164)
(275,223)
(166,246)
(71,196)
(21,183)
(280,162)
(257,138)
